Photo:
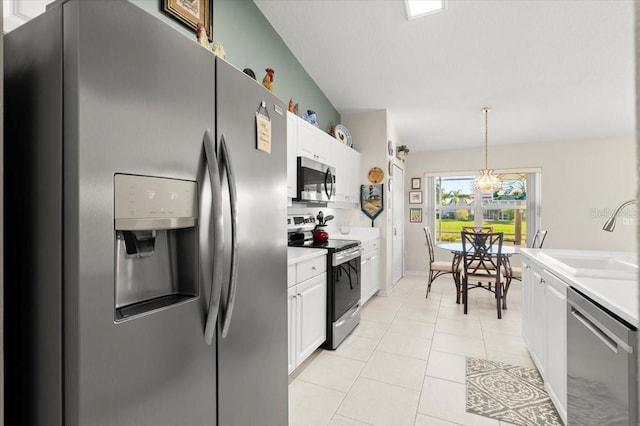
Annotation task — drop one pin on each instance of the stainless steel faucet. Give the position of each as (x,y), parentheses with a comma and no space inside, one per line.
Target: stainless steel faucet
(611,222)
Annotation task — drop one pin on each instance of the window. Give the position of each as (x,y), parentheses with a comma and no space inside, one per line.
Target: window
(418,8)
(513,209)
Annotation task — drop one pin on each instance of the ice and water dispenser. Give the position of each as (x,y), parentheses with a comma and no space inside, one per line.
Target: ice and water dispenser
(156,243)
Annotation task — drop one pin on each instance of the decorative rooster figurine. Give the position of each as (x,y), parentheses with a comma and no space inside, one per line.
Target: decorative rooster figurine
(267,81)
(203,40)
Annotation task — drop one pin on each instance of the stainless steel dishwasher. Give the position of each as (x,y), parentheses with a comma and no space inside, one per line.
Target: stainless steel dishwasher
(601,365)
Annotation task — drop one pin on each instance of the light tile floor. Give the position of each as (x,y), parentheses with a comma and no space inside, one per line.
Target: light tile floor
(405,363)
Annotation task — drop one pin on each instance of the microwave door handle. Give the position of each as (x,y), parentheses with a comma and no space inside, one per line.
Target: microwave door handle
(233,269)
(217,219)
(328,176)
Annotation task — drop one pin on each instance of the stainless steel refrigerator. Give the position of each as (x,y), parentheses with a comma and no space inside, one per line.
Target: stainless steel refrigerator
(145,242)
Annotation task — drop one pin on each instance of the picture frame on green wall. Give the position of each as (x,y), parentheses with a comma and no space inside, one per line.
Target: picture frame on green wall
(190,13)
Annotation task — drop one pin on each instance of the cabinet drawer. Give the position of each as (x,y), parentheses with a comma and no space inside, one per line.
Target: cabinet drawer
(310,268)
(291,275)
(369,246)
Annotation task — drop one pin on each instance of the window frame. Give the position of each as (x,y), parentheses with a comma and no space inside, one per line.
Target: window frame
(532,204)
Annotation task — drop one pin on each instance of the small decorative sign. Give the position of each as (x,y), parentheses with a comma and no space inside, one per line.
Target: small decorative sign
(263,129)
(372,200)
(375,175)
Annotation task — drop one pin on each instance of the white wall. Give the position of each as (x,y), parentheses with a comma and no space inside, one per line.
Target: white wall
(370,132)
(582,182)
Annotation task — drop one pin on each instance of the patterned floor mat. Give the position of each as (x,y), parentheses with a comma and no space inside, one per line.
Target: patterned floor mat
(509,393)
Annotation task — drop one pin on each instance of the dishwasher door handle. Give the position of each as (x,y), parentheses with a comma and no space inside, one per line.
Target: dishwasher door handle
(595,328)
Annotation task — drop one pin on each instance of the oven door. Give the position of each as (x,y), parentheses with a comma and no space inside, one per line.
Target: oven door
(345,282)
(316,181)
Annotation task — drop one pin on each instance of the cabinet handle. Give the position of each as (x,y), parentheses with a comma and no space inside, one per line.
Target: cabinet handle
(313,268)
(542,281)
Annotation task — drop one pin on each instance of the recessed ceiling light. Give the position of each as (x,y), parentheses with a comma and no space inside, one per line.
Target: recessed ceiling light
(418,8)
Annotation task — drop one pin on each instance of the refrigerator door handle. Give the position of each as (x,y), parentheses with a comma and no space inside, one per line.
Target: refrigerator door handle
(218,230)
(233,269)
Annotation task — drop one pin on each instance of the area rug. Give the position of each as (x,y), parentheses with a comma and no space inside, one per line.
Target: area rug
(509,393)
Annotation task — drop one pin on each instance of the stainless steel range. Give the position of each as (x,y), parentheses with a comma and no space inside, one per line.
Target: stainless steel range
(343,277)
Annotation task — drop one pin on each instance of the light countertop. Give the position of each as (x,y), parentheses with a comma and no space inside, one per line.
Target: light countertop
(620,296)
(356,233)
(300,254)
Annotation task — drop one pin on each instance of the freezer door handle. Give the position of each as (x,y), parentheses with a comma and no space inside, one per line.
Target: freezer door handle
(233,268)
(217,219)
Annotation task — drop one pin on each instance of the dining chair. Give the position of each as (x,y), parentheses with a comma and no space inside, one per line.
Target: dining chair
(515,273)
(438,268)
(477,229)
(538,239)
(482,258)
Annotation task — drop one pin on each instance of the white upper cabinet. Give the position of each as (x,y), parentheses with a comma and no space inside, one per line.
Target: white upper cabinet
(312,143)
(347,163)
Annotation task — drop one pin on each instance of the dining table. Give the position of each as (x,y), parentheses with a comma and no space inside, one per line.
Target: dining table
(457,249)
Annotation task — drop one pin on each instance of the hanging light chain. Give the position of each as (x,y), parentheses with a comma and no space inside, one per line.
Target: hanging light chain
(486,136)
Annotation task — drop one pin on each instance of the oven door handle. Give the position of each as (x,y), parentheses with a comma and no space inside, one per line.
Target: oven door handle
(347,255)
(339,324)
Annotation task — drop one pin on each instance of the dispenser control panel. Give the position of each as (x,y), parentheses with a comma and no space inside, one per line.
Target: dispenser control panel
(144,202)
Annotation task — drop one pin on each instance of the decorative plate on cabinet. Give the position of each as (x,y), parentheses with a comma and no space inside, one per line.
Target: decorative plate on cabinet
(343,135)
(376,175)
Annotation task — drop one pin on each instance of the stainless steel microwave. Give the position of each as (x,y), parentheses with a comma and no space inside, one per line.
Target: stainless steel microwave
(316,181)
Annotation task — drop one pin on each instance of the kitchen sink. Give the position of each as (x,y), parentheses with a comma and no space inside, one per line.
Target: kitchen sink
(621,266)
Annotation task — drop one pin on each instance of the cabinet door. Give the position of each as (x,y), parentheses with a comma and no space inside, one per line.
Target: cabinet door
(312,302)
(556,331)
(340,161)
(292,314)
(375,272)
(311,143)
(354,164)
(527,301)
(365,278)
(292,150)
(538,320)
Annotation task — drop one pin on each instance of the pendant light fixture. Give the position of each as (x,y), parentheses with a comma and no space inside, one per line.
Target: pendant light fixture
(487,181)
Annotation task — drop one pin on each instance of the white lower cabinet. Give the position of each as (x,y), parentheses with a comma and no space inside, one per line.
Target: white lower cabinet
(307,310)
(369,270)
(544,329)
(538,316)
(312,307)
(556,337)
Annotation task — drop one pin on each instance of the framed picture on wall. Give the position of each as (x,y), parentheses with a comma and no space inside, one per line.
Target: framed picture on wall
(190,13)
(415,215)
(416,183)
(415,197)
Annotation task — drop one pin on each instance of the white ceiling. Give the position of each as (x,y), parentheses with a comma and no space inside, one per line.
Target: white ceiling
(551,70)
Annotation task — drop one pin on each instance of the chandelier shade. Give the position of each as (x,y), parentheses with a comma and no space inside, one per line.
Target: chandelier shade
(486,181)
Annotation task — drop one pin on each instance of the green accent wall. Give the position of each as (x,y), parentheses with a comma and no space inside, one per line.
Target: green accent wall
(251,42)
